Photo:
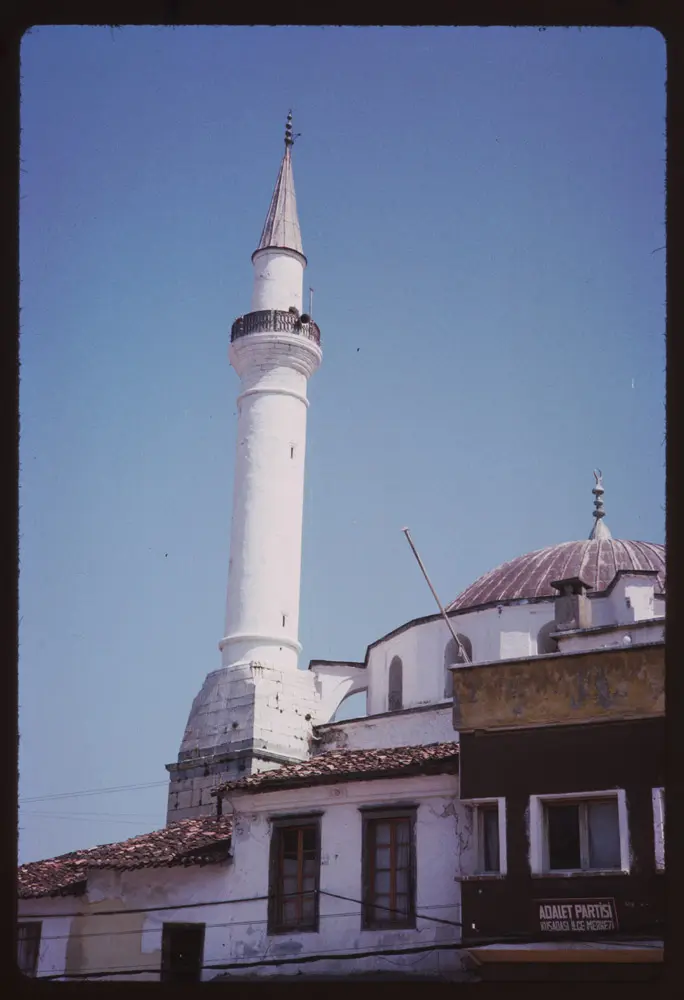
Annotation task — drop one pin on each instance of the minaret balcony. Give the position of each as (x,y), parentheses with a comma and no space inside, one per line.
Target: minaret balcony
(275,321)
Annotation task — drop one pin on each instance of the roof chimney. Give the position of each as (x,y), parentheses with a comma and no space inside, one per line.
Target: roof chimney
(573,609)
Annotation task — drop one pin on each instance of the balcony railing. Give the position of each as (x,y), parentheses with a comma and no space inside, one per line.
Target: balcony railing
(274,321)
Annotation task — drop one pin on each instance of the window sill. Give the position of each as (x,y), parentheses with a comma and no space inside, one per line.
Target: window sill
(408,926)
(593,873)
(279,931)
(483,876)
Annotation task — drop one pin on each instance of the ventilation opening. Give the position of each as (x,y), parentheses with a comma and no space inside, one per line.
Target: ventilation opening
(292,451)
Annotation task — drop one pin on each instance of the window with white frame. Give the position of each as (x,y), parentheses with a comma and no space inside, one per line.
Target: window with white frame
(489,835)
(579,833)
(658,795)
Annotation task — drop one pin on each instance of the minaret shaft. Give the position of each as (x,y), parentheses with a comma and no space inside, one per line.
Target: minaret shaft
(274,354)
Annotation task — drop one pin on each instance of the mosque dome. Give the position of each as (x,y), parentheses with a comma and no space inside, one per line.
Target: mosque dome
(595,561)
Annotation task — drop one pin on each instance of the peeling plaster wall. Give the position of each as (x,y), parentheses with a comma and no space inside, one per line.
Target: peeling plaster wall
(442,846)
(56,916)
(237,931)
(408,728)
(612,684)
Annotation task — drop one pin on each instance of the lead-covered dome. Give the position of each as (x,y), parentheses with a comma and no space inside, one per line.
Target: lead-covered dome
(596,561)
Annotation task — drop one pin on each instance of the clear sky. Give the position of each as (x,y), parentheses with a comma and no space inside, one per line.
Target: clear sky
(483,213)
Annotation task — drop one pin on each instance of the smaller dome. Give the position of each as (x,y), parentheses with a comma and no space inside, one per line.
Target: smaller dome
(596,561)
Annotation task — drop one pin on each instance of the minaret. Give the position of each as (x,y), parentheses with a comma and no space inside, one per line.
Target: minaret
(257,710)
(274,349)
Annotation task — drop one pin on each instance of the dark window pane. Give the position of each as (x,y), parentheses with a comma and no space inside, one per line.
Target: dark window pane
(604,834)
(182,947)
(395,685)
(490,839)
(563,837)
(28,946)
(290,842)
(309,838)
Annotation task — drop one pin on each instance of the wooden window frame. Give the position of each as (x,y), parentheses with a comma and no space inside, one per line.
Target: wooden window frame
(369,818)
(539,843)
(37,938)
(165,972)
(276,925)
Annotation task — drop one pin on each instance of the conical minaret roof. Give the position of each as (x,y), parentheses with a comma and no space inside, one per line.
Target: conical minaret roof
(281,228)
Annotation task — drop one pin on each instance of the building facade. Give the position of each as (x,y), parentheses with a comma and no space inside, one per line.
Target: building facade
(571,831)
(403,840)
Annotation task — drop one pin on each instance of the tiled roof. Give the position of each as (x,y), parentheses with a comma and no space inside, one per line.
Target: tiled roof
(188,842)
(335,766)
(596,561)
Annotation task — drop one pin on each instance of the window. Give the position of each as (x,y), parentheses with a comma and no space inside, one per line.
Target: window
(389,869)
(395,695)
(579,834)
(295,865)
(545,644)
(182,953)
(452,656)
(658,796)
(489,835)
(28,945)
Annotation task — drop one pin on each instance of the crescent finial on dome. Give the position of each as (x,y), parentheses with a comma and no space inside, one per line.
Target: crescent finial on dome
(600,529)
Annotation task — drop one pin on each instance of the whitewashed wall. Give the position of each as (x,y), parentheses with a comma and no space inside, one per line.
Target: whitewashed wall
(402,729)
(495,633)
(441,837)
(236,932)
(625,635)
(56,916)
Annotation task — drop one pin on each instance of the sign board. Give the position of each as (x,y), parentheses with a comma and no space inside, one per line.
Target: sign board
(577,916)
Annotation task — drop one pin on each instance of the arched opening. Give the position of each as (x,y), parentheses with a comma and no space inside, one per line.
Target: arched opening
(396,686)
(545,644)
(454,655)
(352,706)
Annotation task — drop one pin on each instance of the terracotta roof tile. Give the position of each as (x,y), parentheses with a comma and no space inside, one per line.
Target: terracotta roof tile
(188,842)
(336,766)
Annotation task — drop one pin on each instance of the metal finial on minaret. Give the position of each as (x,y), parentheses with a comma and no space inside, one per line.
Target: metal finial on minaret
(600,529)
(288,130)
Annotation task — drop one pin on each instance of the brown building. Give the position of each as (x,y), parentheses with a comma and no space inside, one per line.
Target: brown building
(562,758)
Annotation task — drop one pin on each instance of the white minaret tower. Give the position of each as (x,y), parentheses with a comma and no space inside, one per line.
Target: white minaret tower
(257,710)
(274,349)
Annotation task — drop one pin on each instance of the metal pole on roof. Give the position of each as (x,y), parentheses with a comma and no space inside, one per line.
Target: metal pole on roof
(461,651)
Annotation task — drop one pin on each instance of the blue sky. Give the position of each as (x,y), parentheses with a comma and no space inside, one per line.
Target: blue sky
(483,213)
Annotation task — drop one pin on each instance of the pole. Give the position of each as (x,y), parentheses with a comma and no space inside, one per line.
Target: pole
(461,650)
(311,302)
